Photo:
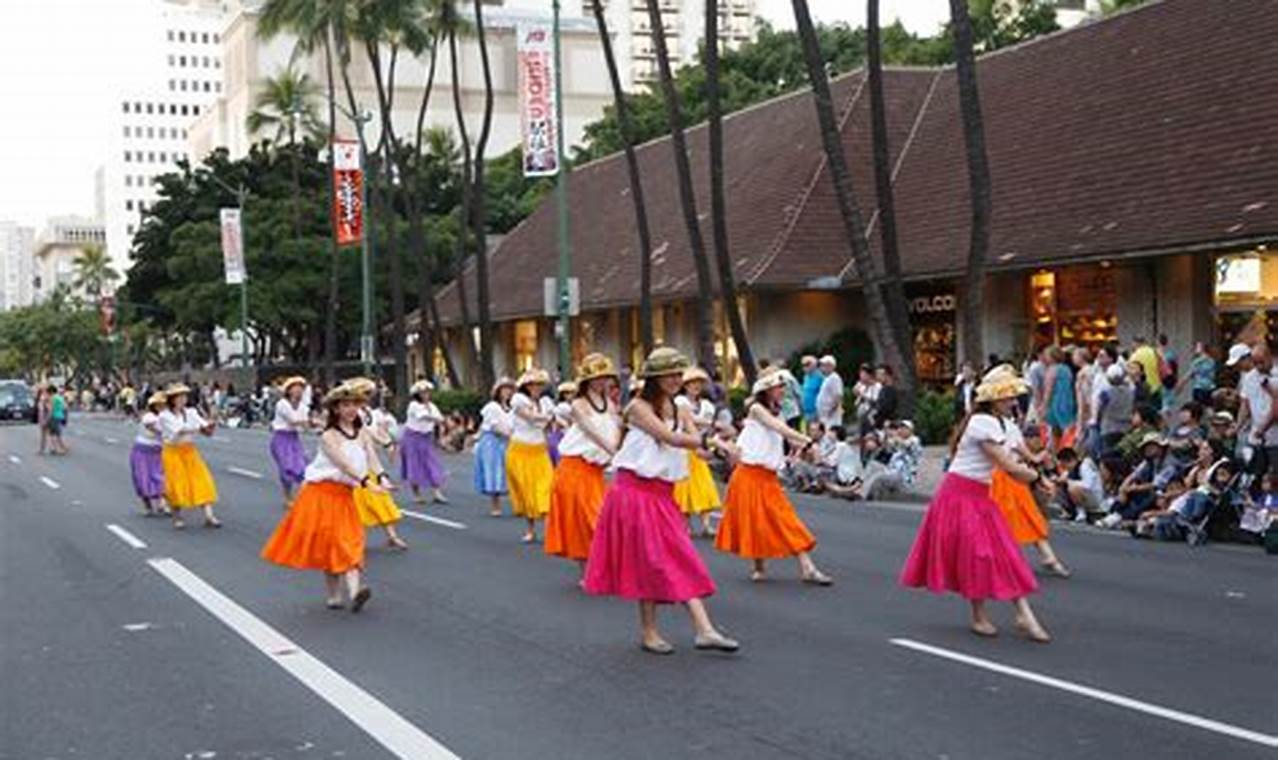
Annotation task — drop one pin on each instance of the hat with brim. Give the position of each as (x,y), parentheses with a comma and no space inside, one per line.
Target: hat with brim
(566,388)
(346,392)
(664,361)
(157,399)
(502,382)
(695,375)
(1237,353)
(533,376)
(1222,418)
(362,384)
(1000,384)
(176,389)
(770,378)
(1154,439)
(595,366)
(289,382)
(421,386)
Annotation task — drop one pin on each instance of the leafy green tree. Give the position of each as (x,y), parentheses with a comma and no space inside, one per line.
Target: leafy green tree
(93,271)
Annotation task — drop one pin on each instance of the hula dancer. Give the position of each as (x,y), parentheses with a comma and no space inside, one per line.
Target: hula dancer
(376,506)
(322,530)
(292,415)
(188,484)
(697,495)
(641,549)
(759,522)
(963,544)
(490,450)
(145,459)
(561,417)
(419,456)
(528,469)
(577,492)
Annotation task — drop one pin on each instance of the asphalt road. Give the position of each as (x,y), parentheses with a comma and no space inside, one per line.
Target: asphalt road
(478,646)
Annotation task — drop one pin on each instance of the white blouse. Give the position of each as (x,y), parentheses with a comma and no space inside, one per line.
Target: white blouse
(643,455)
(422,418)
(576,443)
(148,432)
(180,429)
(494,418)
(761,446)
(524,431)
(702,410)
(322,468)
(289,417)
(970,460)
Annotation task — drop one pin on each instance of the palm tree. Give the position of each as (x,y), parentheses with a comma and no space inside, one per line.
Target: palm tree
(718,210)
(93,271)
(978,180)
(687,198)
(893,290)
(636,183)
(288,104)
(464,211)
(479,211)
(864,267)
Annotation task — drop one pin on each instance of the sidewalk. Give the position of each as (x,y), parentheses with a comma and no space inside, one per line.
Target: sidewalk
(929,477)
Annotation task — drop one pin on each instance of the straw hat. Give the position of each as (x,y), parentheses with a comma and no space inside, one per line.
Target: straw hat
(157,399)
(768,379)
(502,382)
(176,389)
(362,384)
(595,366)
(288,382)
(664,361)
(346,392)
(999,384)
(566,387)
(533,376)
(695,374)
(421,386)
(1154,438)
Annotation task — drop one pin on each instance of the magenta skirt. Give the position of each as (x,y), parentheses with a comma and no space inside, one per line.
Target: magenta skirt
(641,549)
(148,471)
(965,546)
(420,464)
(290,458)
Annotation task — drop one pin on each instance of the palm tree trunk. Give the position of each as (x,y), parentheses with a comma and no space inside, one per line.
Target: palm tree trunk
(853,226)
(330,316)
(468,337)
(636,183)
(704,328)
(972,301)
(893,290)
(479,210)
(718,205)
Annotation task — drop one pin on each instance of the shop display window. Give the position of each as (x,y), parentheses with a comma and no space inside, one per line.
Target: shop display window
(1074,306)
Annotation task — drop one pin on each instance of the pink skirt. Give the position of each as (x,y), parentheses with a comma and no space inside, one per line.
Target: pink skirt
(965,546)
(641,549)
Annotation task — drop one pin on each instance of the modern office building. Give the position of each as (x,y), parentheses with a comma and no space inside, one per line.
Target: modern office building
(56,248)
(684,24)
(16,244)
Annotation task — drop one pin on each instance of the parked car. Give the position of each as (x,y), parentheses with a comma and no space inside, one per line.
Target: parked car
(17,402)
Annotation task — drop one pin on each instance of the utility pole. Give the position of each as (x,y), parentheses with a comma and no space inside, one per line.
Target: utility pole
(561,203)
(367,344)
(241,193)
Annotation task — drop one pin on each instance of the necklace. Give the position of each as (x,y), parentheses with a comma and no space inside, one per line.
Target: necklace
(348,436)
(598,409)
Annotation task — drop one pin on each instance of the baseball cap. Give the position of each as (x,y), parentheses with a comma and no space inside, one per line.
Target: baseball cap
(1237,353)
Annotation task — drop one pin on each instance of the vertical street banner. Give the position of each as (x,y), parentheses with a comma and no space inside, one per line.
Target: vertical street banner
(348,199)
(535,55)
(232,246)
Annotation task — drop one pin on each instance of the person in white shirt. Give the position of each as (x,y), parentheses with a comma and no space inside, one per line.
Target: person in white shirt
(529,472)
(592,437)
(759,522)
(964,544)
(495,428)
(188,484)
(830,397)
(697,495)
(1258,387)
(292,416)
(560,411)
(145,460)
(376,507)
(420,465)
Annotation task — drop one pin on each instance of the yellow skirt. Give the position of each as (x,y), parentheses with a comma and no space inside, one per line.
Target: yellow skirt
(530,477)
(697,493)
(376,508)
(187,480)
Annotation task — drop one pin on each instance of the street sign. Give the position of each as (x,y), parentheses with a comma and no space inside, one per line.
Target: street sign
(550,297)
(232,246)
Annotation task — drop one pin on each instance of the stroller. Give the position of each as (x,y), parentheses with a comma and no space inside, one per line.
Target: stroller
(1204,515)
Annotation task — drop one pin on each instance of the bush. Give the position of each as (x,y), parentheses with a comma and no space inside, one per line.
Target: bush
(851,347)
(467,402)
(934,416)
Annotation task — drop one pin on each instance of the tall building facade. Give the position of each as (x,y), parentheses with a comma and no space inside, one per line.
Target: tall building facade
(179,76)
(684,24)
(56,248)
(16,249)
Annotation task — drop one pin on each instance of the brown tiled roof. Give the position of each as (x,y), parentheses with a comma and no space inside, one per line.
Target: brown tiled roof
(1152,130)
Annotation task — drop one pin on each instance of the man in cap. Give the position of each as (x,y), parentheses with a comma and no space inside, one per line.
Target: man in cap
(830,397)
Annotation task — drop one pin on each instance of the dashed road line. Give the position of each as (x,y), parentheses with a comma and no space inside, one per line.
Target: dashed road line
(50,482)
(15,459)
(433,519)
(112,441)
(126,536)
(246,473)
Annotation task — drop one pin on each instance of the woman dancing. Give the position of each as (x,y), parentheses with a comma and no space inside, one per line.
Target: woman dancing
(376,507)
(419,456)
(188,484)
(697,495)
(146,460)
(490,449)
(1017,503)
(528,469)
(292,415)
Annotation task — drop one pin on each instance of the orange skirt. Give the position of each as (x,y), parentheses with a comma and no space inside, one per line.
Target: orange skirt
(575,501)
(321,531)
(759,522)
(1016,502)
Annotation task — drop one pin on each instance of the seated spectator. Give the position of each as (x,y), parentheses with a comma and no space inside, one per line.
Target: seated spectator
(1144,423)
(1222,434)
(905,451)
(1138,493)
(847,478)
(880,481)
(1189,422)
(1261,513)
(1186,517)
(808,471)
(1080,489)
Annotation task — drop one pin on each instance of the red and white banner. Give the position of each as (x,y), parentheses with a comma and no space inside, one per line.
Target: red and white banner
(348,203)
(535,53)
(232,246)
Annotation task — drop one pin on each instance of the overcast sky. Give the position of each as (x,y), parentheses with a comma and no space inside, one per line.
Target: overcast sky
(62,60)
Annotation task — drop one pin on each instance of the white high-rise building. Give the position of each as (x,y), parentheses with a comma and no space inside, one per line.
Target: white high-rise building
(178,74)
(57,247)
(16,249)
(685,25)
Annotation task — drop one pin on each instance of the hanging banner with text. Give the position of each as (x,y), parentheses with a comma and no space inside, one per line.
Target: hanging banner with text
(536,59)
(348,202)
(232,246)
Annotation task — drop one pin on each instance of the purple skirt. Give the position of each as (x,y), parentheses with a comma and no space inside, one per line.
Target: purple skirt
(419,460)
(552,445)
(148,471)
(290,458)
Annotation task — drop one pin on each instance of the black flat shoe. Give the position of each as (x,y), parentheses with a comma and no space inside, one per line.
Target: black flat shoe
(361,598)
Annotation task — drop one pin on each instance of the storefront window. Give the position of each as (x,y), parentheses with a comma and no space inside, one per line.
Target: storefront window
(525,344)
(1074,306)
(932,313)
(1246,294)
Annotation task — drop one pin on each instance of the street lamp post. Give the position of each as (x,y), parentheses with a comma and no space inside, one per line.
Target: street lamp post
(366,342)
(561,203)
(241,193)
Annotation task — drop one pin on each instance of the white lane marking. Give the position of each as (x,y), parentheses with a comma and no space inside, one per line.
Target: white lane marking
(1158,711)
(126,536)
(135,627)
(246,473)
(50,482)
(432,519)
(111,440)
(15,459)
(387,727)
